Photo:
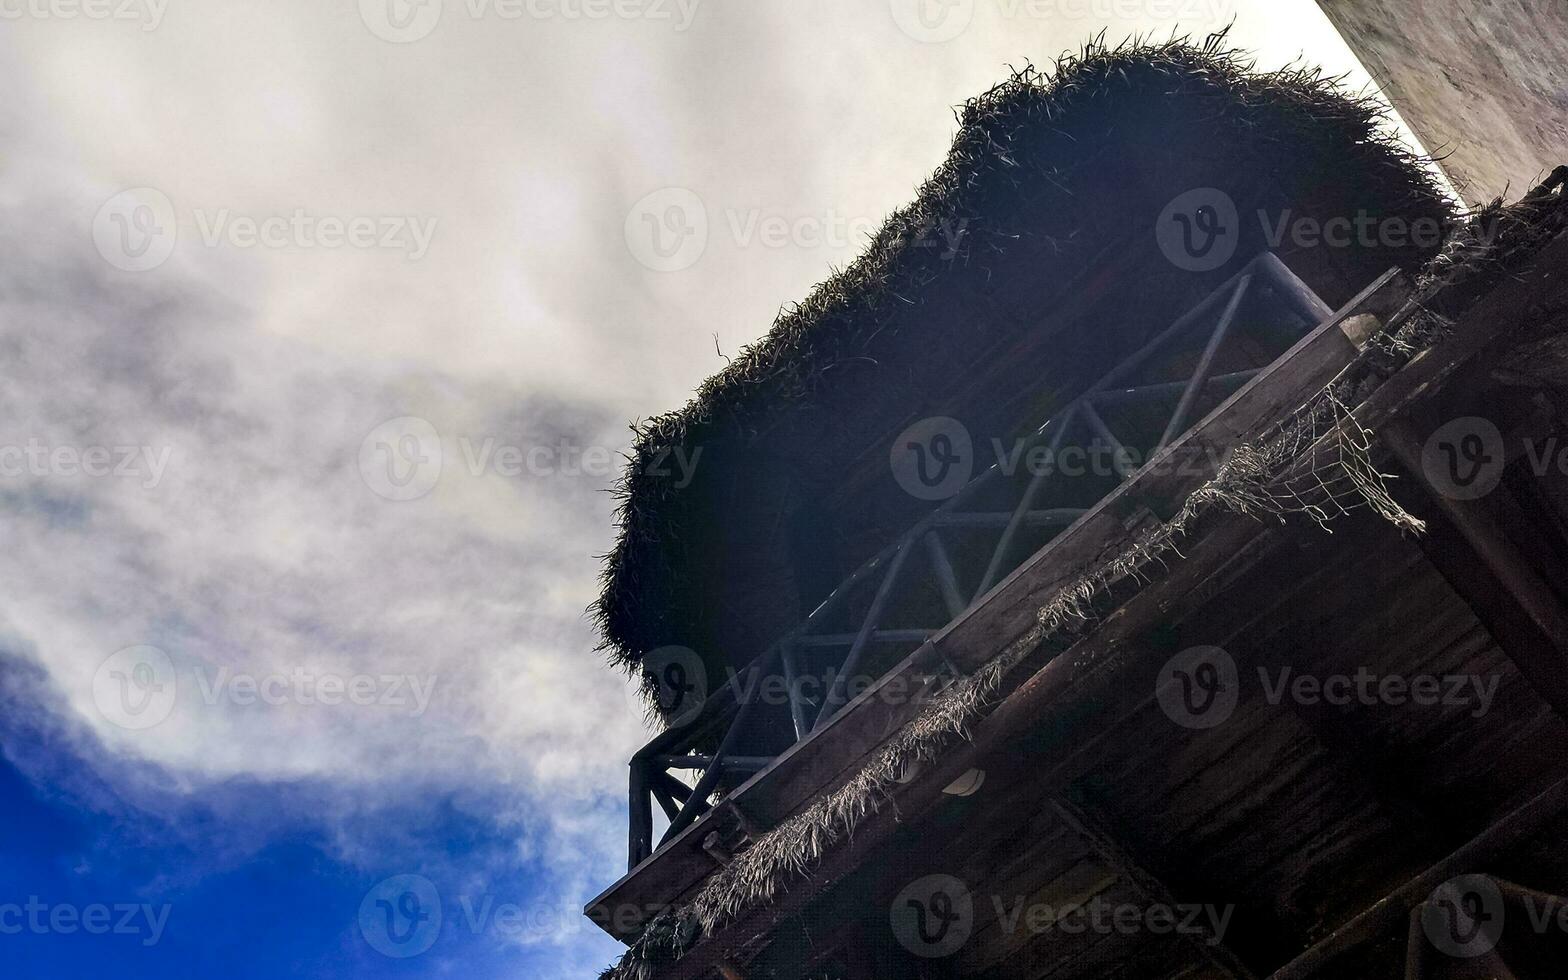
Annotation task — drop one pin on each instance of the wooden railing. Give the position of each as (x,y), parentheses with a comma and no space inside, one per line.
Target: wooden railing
(1078,423)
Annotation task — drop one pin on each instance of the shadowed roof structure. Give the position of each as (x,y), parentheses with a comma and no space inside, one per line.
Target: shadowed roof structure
(1107,714)
(1341,832)
(1026,263)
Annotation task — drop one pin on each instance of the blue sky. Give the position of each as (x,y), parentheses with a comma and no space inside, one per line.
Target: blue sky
(320,337)
(245,879)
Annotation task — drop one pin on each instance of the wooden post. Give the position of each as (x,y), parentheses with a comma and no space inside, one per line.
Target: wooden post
(639,842)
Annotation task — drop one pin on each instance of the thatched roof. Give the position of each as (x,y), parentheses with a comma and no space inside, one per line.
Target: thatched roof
(1489,246)
(1048,172)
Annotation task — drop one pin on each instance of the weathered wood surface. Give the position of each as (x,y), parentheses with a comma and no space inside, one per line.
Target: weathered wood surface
(844,744)
(1483,545)
(1514,828)
(1484,767)
(1325,817)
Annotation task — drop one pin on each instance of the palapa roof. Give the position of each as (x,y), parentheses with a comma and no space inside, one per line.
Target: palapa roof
(1455,293)
(1049,173)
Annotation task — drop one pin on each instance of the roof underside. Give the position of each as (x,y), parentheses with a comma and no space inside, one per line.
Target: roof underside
(1295,814)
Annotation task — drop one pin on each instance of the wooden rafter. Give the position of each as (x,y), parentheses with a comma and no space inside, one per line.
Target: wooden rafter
(1102,841)
(1487,568)
(806,717)
(814,764)
(1385,915)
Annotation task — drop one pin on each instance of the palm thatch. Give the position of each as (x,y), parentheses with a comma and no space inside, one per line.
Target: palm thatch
(1048,172)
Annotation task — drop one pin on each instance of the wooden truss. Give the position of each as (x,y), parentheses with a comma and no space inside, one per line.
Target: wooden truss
(1200,332)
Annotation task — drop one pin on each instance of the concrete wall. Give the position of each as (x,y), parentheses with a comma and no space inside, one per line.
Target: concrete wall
(1483,81)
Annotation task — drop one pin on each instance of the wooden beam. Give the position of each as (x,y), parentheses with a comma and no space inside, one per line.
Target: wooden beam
(1121,459)
(667,801)
(1049,517)
(1200,374)
(1404,388)
(1097,671)
(797,702)
(729,971)
(1416,945)
(1517,827)
(946,577)
(671,785)
(993,568)
(835,696)
(1113,855)
(710,775)
(1540,651)
(672,794)
(1297,294)
(1165,389)
(749,763)
(875,636)
(834,752)
(639,841)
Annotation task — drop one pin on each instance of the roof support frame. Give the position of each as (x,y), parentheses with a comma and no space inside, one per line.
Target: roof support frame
(1314,360)
(1053,434)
